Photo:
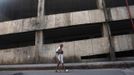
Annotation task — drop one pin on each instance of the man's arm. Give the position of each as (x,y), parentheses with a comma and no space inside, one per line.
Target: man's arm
(57,50)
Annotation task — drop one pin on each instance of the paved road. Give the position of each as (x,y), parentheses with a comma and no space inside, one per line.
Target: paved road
(73,72)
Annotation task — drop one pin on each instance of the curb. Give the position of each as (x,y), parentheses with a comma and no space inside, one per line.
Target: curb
(88,65)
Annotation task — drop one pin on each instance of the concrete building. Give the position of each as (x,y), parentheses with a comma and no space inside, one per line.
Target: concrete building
(91,30)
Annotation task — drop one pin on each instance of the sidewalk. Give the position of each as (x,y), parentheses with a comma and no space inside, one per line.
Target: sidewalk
(72,72)
(92,65)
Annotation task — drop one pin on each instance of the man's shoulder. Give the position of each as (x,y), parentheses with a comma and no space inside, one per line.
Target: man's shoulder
(57,49)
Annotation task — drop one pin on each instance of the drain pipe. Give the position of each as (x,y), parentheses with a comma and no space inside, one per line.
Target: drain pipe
(111,44)
(129,13)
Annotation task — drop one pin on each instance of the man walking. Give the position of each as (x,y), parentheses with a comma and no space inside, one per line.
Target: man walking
(59,56)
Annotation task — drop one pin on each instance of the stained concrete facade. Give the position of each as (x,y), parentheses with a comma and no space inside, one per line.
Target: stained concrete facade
(73,50)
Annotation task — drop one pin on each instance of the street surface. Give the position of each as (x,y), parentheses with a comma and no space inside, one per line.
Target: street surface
(72,72)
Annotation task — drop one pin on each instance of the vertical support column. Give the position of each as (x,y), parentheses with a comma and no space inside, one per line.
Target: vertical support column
(39,33)
(41,8)
(38,44)
(41,14)
(108,32)
(105,31)
(99,4)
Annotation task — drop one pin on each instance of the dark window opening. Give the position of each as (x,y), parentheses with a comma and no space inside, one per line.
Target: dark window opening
(95,56)
(17,40)
(72,33)
(128,53)
(117,3)
(17,9)
(63,6)
(121,27)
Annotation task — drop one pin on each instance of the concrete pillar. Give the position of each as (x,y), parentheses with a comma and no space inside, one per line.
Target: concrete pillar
(38,44)
(41,13)
(39,33)
(99,4)
(104,30)
(107,32)
(41,8)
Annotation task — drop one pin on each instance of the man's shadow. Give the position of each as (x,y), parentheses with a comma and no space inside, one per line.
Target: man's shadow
(20,73)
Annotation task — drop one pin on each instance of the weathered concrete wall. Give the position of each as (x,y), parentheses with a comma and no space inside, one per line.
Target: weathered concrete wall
(17,55)
(121,13)
(52,21)
(61,20)
(75,49)
(72,50)
(74,18)
(16,26)
(123,42)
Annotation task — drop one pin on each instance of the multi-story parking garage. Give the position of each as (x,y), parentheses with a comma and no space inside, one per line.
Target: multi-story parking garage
(91,30)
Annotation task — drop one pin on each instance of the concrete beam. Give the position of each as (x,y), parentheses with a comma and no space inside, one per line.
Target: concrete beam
(18,26)
(123,42)
(52,21)
(75,18)
(120,13)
